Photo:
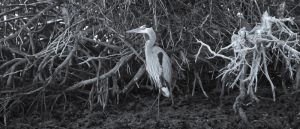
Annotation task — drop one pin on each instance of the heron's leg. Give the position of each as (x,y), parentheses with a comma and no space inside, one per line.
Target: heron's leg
(153,104)
(172,99)
(158,99)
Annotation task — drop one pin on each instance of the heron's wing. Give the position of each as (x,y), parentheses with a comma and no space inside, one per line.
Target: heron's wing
(164,62)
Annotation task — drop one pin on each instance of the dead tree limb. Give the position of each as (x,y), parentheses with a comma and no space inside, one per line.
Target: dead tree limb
(121,62)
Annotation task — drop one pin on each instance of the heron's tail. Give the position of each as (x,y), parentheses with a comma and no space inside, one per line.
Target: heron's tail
(165,87)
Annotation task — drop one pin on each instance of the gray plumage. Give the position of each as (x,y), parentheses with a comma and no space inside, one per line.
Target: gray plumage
(158,63)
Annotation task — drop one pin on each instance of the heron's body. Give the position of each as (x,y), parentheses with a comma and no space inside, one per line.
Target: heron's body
(158,63)
(159,70)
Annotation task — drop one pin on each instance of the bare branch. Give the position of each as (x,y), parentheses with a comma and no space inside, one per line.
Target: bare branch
(123,60)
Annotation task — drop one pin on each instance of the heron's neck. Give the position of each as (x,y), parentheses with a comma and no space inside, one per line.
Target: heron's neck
(151,41)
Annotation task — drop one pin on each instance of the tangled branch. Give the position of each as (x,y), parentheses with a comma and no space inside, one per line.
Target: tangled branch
(252,48)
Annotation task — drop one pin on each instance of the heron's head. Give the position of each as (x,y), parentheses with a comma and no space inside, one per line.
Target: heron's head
(142,30)
(165,91)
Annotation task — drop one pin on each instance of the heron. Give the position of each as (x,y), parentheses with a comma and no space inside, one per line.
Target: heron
(158,63)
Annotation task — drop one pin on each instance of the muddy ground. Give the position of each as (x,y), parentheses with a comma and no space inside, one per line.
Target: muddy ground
(188,112)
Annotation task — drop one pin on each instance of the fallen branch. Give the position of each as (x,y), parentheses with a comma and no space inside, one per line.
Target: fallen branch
(121,62)
(136,77)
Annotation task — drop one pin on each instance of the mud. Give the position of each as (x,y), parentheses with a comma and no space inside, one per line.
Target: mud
(189,112)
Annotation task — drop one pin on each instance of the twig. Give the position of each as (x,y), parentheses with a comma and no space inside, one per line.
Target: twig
(127,44)
(66,61)
(136,77)
(117,48)
(28,23)
(211,51)
(197,77)
(123,60)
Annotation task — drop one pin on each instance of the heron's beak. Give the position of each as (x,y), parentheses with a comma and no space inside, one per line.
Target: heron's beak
(165,92)
(137,30)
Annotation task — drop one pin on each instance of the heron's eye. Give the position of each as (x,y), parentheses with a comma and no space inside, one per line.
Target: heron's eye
(148,24)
